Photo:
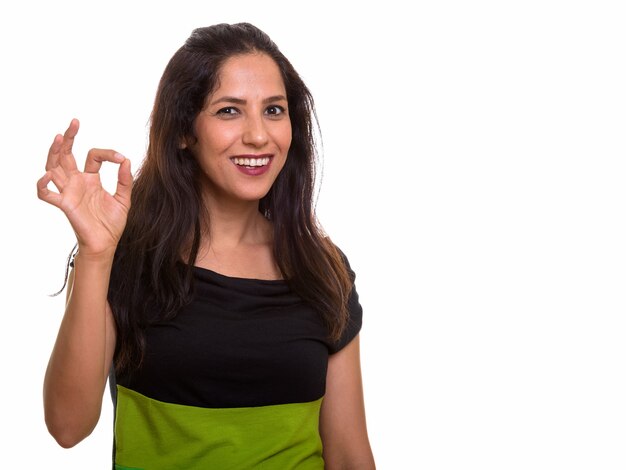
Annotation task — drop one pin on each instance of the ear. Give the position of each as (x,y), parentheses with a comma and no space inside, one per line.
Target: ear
(183,143)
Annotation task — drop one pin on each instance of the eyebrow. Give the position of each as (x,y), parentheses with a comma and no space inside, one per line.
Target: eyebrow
(232,99)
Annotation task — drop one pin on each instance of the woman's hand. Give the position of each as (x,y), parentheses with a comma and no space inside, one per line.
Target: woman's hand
(97,217)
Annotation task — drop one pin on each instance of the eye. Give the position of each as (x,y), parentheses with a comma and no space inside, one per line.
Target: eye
(275,110)
(227,112)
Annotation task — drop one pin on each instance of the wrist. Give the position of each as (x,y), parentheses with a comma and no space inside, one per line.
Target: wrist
(102,257)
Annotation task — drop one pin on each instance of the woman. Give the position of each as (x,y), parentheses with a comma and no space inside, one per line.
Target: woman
(227,322)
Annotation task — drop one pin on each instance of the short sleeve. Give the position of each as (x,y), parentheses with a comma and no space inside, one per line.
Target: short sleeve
(355,320)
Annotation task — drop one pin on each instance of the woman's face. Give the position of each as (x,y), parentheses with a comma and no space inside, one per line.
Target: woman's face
(244,132)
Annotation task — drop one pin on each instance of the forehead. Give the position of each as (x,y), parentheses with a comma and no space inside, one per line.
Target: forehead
(248,72)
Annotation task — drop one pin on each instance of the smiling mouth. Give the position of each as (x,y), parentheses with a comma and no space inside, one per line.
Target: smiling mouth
(251,162)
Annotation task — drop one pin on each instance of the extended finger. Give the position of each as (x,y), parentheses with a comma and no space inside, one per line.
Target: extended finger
(54,152)
(61,149)
(66,157)
(44,193)
(68,137)
(95,158)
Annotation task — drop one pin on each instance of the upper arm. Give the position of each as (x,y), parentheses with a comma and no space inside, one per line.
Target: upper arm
(342,419)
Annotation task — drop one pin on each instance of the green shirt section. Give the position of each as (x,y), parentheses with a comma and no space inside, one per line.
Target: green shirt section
(151,434)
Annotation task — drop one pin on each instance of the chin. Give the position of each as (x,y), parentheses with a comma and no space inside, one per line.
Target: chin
(253,196)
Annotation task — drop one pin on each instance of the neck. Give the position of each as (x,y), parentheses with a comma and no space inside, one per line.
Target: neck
(238,242)
(234,224)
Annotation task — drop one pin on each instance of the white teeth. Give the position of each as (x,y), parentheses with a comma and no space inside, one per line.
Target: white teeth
(251,161)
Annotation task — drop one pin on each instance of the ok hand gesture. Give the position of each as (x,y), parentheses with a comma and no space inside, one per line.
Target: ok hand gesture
(97,217)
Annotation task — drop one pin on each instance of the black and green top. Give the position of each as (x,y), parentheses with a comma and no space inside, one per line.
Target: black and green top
(234,381)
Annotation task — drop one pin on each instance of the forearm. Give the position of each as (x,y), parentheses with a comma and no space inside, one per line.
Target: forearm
(77,372)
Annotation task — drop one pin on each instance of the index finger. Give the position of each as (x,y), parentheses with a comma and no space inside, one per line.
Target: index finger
(95,158)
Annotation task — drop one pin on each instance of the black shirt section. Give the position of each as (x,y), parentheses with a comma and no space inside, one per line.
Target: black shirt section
(239,343)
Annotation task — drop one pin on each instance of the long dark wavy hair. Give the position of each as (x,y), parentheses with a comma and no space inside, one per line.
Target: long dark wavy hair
(167,216)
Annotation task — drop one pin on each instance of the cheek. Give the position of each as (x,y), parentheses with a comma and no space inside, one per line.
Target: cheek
(216,139)
(220,137)
(284,138)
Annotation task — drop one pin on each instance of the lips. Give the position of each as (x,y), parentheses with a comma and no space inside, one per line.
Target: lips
(241,161)
(252,165)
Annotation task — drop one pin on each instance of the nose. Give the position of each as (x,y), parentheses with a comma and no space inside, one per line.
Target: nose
(255,132)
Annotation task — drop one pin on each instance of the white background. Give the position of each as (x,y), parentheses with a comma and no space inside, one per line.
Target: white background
(474,168)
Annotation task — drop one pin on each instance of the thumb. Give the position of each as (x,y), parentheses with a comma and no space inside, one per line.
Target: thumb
(124,183)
